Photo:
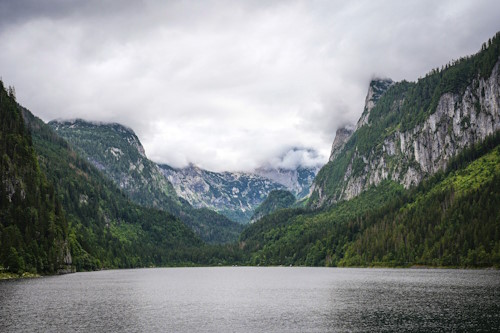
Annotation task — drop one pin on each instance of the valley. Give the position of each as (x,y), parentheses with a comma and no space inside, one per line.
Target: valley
(414,182)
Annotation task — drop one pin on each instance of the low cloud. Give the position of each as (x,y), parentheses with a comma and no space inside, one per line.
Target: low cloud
(222,84)
(297,157)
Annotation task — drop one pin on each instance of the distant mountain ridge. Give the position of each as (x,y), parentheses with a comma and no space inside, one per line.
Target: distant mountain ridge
(237,194)
(117,152)
(234,194)
(298,180)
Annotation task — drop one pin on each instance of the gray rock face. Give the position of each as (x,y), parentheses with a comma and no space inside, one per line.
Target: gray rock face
(234,194)
(376,89)
(298,181)
(409,156)
(341,136)
(116,150)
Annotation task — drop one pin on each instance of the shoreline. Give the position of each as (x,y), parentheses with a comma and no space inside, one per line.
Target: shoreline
(15,276)
(26,275)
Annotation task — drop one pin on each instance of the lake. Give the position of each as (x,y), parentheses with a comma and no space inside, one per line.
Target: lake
(254,299)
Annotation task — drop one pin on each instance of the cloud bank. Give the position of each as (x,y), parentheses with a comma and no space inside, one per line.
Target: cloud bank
(226,85)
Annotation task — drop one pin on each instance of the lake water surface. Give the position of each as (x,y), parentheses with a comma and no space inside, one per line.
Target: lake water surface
(254,299)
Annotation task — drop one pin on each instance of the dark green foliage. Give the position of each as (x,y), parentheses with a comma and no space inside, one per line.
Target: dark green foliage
(33,227)
(302,237)
(277,199)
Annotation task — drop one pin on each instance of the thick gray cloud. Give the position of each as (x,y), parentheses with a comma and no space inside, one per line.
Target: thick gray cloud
(226,85)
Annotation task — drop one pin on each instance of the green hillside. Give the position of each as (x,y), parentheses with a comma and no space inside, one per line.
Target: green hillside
(277,199)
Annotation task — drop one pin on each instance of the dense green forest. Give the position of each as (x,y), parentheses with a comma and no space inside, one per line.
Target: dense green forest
(277,199)
(451,219)
(33,226)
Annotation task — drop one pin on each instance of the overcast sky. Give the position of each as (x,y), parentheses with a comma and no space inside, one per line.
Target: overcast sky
(227,85)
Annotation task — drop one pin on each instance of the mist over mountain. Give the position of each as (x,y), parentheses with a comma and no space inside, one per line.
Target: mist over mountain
(238,194)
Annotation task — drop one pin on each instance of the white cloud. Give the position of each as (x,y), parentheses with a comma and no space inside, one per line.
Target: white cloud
(226,85)
(296,157)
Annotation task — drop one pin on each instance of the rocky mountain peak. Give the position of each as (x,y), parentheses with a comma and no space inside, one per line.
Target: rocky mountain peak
(341,136)
(119,130)
(376,89)
(410,130)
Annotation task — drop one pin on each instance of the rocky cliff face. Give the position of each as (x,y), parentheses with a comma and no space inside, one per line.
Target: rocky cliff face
(407,155)
(234,194)
(341,137)
(117,152)
(376,89)
(298,180)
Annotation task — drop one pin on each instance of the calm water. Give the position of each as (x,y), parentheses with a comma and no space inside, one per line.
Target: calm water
(254,299)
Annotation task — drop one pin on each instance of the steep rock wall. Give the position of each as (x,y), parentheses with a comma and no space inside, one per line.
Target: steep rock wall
(407,157)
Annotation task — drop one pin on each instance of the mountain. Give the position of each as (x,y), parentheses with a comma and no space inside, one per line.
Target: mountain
(297,180)
(416,182)
(106,229)
(233,194)
(237,194)
(277,199)
(450,219)
(33,225)
(117,152)
(410,130)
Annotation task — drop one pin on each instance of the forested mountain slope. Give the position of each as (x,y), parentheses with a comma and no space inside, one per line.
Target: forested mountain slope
(451,219)
(416,182)
(277,199)
(33,226)
(117,152)
(410,130)
(105,228)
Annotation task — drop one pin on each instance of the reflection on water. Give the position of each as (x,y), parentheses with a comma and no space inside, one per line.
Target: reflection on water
(251,299)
